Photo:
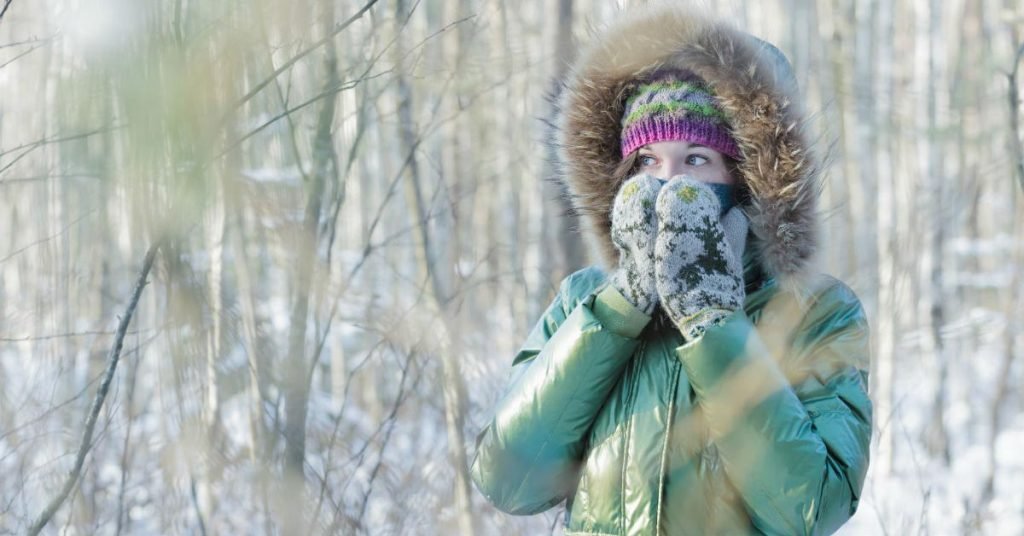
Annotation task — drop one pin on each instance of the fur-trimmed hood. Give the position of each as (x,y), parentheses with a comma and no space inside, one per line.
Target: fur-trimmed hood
(757,91)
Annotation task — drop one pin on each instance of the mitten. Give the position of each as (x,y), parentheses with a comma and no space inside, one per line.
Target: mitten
(735,224)
(634,230)
(698,275)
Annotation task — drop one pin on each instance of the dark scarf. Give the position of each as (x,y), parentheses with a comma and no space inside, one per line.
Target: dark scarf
(726,196)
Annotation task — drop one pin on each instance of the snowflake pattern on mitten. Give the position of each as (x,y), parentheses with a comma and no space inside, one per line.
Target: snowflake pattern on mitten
(699,278)
(634,231)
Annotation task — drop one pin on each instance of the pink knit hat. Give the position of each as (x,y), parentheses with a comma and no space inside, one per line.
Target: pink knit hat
(676,106)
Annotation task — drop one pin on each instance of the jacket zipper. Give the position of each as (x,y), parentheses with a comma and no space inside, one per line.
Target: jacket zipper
(634,366)
(669,420)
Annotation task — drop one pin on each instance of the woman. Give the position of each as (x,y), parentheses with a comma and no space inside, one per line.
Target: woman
(703,380)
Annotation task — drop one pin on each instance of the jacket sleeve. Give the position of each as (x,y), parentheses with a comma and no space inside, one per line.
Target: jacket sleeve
(795,444)
(528,456)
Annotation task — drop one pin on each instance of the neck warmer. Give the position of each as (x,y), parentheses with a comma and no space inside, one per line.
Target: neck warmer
(726,196)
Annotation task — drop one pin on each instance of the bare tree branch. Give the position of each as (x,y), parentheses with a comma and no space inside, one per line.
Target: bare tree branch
(40,178)
(27,42)
(1003,379)
(29,147)
(391,419)
(1014,96)
(310,49)
(19,56)
(195,505)
(7,4)
(386,427)
(126,452)
(337,88)
(51,237)
(70,335)
(329,92)
(101,395)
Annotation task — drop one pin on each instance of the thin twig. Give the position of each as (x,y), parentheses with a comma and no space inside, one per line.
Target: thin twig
(39,178)
(29,147)
(126,457)
(101,395)
(392,419)
(27,42)
(19,56)
(340,87)
(47,239)
(1014,96)
(1003,381)
(7,4)
(46,141)
(73,398)
(69,335)
(284,67)
(387,426)
(195,504)
(288,112)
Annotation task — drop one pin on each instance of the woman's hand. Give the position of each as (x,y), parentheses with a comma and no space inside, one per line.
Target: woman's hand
(634,231)
(698,273)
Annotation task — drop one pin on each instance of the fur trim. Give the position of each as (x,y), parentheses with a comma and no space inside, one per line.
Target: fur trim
(756,89)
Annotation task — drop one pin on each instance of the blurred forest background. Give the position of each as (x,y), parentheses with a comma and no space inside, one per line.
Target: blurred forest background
(341,213)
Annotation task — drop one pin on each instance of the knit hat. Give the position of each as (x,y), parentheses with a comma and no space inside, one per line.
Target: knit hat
(675,107)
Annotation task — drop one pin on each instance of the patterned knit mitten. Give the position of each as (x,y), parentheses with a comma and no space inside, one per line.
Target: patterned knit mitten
(699,277)
(735,224)
(634,229)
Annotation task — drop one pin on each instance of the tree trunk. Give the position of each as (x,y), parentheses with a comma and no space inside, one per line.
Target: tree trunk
(864,147)
(840,12)
(886,318)
(433,255)
(1013,301)
(258,434)
(297,375)
(563,246)
(930,155)
(215,233)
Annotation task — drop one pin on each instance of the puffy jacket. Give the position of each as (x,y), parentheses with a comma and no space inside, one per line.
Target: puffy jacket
(762,424)
(745,430)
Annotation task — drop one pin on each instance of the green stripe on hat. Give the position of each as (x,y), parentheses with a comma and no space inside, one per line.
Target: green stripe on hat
(669,85)
(672,107)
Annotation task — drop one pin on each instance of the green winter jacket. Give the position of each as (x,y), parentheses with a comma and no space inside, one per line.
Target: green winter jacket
(647,435)
(762,424)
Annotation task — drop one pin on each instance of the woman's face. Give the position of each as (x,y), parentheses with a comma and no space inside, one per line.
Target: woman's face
(666,159)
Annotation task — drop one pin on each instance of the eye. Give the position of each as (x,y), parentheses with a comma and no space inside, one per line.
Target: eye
(696,160)
(647,160)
